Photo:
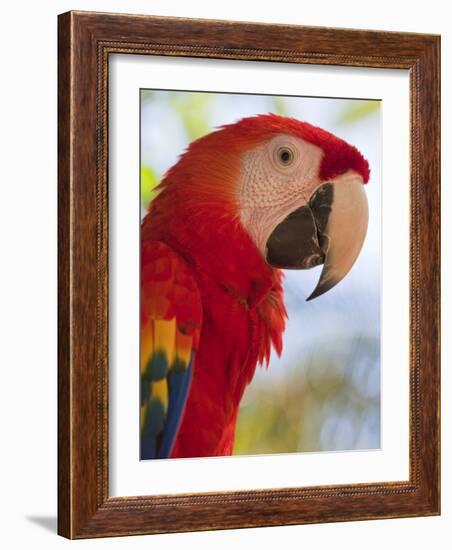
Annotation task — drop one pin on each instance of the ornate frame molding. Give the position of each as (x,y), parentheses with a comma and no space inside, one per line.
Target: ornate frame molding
(85,42)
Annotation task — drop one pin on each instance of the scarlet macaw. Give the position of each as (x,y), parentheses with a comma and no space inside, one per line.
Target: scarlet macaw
(243,202)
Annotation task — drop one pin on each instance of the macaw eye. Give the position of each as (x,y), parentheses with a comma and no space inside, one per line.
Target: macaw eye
(285,156)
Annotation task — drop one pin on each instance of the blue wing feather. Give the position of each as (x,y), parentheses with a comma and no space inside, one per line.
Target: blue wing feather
(156,440)
(179,386)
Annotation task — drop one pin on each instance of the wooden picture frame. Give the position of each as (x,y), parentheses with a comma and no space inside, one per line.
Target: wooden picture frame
(85,42)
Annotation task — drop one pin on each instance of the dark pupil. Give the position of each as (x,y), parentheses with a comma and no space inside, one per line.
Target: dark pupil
(285,156)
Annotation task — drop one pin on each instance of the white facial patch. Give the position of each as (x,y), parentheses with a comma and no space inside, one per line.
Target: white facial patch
(277,177)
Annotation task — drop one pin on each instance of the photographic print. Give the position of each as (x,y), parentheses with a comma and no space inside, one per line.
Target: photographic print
(260,274)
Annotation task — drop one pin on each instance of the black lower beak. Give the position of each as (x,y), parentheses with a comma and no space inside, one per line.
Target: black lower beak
(329,230)
(298,242)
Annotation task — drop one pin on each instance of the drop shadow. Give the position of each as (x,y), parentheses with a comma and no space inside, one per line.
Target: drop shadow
(49,523)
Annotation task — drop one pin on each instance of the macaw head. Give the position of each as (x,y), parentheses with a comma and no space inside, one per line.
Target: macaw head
(296,189)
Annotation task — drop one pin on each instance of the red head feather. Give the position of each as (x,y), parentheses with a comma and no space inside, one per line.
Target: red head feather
(210,165)
(339,156)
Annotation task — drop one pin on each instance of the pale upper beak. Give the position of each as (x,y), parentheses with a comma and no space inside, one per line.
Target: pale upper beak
(329,230)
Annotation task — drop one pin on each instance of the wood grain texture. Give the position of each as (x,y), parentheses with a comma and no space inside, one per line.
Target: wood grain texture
(85,42)
(64,295)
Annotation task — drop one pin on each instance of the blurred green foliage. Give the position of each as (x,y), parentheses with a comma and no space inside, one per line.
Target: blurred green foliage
(193,110)
(322,404)
(149,181)
(279,106)
(357,110)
